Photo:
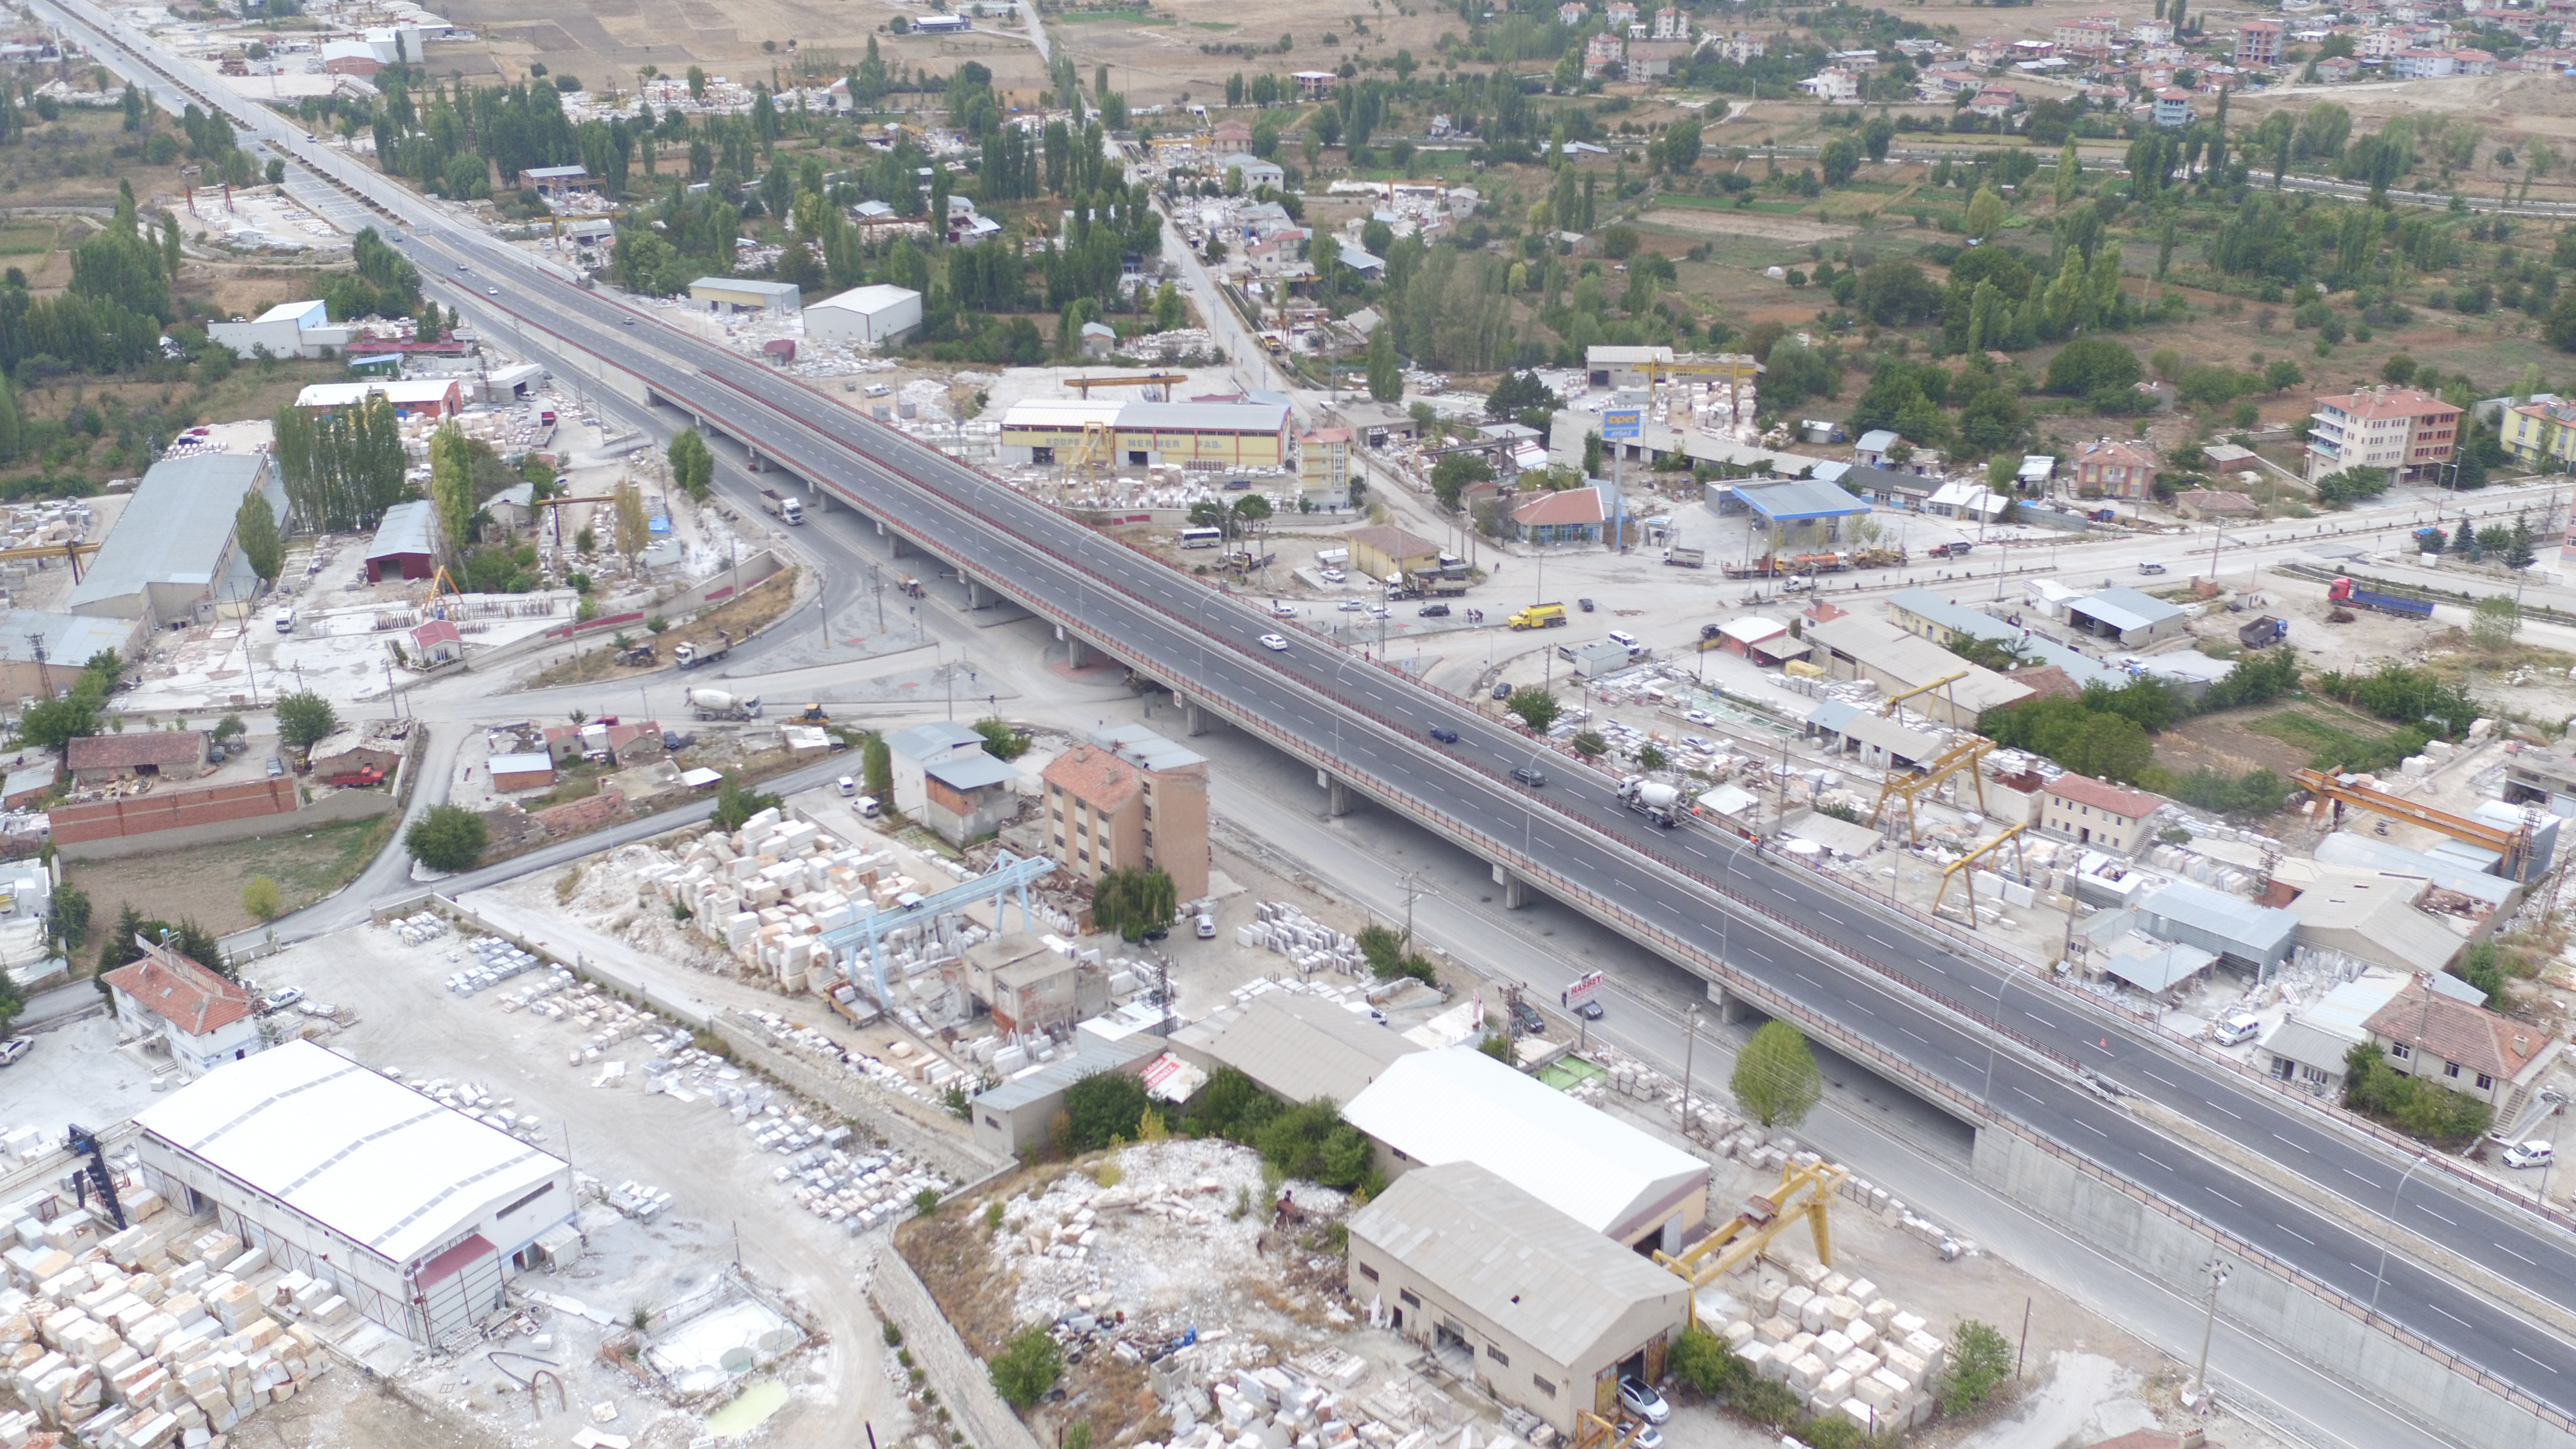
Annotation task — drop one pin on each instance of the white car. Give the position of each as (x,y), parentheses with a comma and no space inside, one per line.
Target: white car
(281,1000)
(2237,1027)
(2534,1153)
(1377,611)
(1352,606)
(1275,641)
(14,1048)
(1283,611)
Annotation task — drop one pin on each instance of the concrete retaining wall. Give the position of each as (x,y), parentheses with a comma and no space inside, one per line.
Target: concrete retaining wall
(2312,1323)
(964,1384)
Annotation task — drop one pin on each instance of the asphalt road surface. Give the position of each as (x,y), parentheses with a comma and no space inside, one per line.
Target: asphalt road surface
(1324,702)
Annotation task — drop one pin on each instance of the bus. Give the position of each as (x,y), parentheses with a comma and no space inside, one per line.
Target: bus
(1202,537)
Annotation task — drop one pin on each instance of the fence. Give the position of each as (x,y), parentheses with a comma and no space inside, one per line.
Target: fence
(143,824)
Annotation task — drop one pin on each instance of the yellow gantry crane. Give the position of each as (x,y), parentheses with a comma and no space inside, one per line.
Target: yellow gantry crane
(68,551)
(1887,706)
(1967,863)
(1805,1191)
(1084,385)
(2514,845)
(1964,756)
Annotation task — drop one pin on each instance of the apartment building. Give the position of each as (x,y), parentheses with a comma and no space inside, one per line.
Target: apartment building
(2405,430)
(2258,43)
(1130,797)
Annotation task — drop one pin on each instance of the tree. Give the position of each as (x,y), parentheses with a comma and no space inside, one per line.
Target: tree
(876,767)
(262,899)
(1104,1107)
(1536,707)
(50,724)
(67,923)
(1000,740)
(634,532)
(1134,900)
(1682,142)
(2091,364)
(448,838)
(1985,213)
(305,719)
(1981,1358)
(1385,378)
(737,802)
(1590,745)
(2494,623)
(451,489)
(693,468)
(1451,476)
(255,528)
(1026,1367)
(1840,160)
(1776,1079)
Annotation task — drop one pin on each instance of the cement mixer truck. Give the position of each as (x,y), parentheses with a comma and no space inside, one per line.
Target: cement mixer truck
(1657,801)
(719,704)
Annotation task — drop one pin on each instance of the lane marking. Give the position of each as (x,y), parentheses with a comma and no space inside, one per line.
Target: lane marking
(2428,1212)
(2089,1127)
(2294,1232)
(2510,1253)
(2222,1197)
(2177,1086)
(2455,1318)
(1918,1036)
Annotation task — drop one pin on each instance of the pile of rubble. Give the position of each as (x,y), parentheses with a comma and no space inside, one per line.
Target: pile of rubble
(128,1342)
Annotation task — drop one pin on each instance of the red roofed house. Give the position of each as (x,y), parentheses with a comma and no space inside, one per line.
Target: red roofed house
(2109,468)
(168,754)
(436,642)
(2463,1046)
(170,1006)
(2096,813)
(1575,515)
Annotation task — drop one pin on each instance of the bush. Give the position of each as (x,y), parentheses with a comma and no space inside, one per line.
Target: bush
(2411,1104)
(1027,1367)
(1981,1358)
(2089,365)
(1000,740)
(1386,950)
(1776,1079)
(1536,707)
(1134,901)
(737,802)
(262,899)
(1104,1107)
(447,838)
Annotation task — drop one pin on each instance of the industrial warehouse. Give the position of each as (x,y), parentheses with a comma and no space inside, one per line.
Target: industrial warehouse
(417,1213)
(1206,436)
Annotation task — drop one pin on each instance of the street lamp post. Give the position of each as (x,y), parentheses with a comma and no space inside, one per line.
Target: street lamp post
(2007,983)
(2379,1279)
(2217,1271)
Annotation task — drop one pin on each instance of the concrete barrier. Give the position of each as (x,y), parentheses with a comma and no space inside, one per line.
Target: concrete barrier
(2308,1319)
(896,1119)
(963,1382)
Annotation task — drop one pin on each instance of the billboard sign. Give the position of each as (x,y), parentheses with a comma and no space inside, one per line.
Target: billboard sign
(1622,423)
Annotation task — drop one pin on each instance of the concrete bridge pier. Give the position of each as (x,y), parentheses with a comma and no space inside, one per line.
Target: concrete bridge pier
(978,596)
(752,462)
(1337,796)
(1194,719)
(1731,1008)
(1077,653)
(899,546)
(1516,891)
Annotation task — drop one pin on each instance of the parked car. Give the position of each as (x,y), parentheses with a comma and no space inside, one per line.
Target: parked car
(1535,779)
(2236,1027)
(1590,1010)
(276,767)
(848,785)
(1585,604)
(1282,611)
(280,1000)
(2151,568)
(1502,690)
(2534,1153)
(1206,926)
(1641,1399)
(1435,611)
(1351,606)
(14,1048)
(1444,734)
(1527,1021)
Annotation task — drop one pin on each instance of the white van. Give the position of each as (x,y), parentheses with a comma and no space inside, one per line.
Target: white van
(867,807)
(1623,639)
(848,785)
(286,621)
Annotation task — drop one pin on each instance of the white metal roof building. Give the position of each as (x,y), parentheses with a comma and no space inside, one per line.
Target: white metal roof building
(1296,1047)
(1551,1312)
(415,1212)
(1460,1105)
(871,316)
(742,294)
(171,556)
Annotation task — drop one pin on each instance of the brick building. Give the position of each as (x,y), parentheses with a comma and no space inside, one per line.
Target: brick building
(1130,798)
(2111,468)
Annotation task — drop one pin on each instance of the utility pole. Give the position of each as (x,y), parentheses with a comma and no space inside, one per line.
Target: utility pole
(2198,1398)
(1690,1050)
(43,672)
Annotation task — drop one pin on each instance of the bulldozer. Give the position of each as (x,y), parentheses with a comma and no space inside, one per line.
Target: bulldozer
(812,714)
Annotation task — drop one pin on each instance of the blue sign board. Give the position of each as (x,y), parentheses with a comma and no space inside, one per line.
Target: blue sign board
(1617,423)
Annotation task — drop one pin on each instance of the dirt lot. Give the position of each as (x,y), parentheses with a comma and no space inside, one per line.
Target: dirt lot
(204,883)
(2280,738)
